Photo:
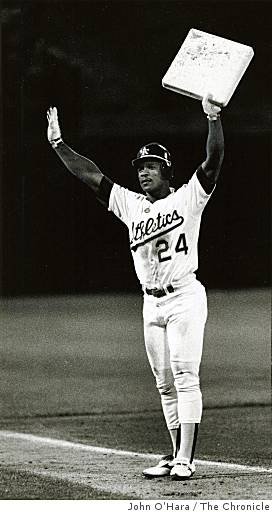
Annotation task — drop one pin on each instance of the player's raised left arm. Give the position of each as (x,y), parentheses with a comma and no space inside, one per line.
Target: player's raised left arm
(209,170)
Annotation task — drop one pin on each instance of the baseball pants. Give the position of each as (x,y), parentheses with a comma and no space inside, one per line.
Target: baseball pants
(173,331)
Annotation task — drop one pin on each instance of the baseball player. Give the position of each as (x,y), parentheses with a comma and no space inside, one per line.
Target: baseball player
(163,226)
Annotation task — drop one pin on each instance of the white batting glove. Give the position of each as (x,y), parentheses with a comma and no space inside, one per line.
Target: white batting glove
(53,130)
(212,111)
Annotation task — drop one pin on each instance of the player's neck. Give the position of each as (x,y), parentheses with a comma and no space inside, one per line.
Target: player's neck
(161,193)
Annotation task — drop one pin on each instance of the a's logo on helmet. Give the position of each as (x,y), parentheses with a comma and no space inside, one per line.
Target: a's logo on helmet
(144,151)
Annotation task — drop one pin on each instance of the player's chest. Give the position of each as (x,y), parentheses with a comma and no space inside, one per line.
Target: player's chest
(152,221)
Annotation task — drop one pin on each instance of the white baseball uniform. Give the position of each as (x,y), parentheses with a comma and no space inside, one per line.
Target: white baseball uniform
(163,238)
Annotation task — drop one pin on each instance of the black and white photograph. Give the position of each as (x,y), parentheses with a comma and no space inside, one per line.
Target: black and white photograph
(135,263)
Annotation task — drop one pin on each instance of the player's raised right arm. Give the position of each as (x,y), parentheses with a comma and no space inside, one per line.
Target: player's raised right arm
(80,166)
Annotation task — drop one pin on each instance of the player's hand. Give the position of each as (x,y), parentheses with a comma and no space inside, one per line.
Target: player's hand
(209,108)
(53,130)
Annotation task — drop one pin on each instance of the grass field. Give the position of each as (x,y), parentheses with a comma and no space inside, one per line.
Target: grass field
(78,401)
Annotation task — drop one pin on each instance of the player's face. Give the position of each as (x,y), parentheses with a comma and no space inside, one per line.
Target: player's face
(151,179)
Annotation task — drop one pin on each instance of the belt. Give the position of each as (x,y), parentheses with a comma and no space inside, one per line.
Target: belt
(159,292)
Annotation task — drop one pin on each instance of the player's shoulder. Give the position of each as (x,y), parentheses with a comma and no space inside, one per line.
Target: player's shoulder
(120,189)
(186,185)
(179,189)
(123,195)
(183,191)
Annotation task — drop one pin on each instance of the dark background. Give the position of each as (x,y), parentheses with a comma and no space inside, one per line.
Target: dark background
(101,63)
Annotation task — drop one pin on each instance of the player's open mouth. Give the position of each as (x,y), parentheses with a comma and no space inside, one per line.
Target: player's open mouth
(146,181)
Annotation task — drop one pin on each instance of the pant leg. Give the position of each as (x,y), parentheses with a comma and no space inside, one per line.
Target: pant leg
(159,359)
(185,330)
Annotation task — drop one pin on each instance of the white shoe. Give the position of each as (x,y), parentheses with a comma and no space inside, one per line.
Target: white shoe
(163,468)
(182,469)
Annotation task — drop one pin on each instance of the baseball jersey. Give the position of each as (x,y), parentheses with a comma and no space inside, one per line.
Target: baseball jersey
(163,235)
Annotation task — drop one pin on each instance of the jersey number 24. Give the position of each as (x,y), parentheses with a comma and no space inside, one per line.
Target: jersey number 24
(163,247)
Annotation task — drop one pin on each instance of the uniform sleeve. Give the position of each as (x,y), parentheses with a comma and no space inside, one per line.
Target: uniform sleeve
(104,191)
(121,202)
(196,196)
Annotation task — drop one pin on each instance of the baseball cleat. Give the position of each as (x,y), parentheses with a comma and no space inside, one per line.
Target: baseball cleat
(182,469)
(163,468)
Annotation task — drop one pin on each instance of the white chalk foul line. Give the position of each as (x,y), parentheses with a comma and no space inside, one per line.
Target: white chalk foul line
(111,451)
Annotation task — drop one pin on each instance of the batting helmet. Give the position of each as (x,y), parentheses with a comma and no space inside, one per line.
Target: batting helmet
(155,151)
